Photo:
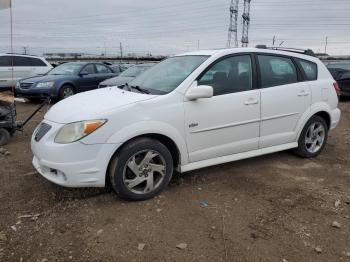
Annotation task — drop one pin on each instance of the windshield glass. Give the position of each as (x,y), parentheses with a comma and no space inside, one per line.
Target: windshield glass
(345,66)
(169,74)
(66,69)
(134,71)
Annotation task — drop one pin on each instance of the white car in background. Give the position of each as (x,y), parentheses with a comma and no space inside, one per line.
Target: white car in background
(188,112)
(23,66)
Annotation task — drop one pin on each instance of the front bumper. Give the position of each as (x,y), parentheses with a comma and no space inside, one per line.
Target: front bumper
(71,165)
(35,92)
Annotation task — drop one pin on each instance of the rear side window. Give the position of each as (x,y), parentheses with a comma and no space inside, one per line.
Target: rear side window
(275,71)
(309,68)
(5,61)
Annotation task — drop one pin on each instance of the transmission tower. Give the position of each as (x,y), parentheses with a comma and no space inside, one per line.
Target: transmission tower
(232,30)
(246,22)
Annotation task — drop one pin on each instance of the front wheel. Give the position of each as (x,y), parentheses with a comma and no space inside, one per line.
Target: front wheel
(65,92)
(141,170)
(313,138)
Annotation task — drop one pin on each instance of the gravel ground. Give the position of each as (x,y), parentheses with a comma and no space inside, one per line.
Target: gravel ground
(273,208)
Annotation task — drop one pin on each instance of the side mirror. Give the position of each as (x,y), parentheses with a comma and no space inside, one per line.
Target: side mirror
(197,92)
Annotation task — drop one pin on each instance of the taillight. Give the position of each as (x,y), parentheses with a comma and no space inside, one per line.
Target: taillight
(337,89)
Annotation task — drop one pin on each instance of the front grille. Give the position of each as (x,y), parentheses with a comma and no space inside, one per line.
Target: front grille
(26,85)
(42,131)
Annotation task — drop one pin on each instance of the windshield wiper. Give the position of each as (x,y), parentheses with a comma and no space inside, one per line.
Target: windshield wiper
(141,90)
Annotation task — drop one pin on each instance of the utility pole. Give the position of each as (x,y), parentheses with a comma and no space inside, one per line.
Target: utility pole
(121,51)
(273,40)
(246,22)
(326,45)
(232,30)
(25,50)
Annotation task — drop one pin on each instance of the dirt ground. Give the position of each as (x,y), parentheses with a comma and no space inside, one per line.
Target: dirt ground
(273,208)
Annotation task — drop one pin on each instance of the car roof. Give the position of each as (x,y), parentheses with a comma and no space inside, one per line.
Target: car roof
(12,54)
(218,52)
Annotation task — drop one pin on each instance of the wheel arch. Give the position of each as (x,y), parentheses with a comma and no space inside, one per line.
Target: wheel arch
(66,84)
(321,110)
(165,140)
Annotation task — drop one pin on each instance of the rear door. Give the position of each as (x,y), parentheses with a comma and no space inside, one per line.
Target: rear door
(103,73)
(23,67)
(284,99)
(5,71)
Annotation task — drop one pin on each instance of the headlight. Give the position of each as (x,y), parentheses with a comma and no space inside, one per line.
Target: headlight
(45,84)
(75,131)
(18,84)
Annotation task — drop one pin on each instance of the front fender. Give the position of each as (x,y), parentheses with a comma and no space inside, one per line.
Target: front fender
(151,127)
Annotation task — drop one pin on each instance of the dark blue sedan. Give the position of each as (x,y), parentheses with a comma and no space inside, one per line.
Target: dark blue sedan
(64,80)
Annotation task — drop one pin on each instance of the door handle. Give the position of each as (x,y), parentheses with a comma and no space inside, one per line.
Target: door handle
(303,93)
(251,101)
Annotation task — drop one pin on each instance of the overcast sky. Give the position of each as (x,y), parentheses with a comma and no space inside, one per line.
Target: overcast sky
(171,26)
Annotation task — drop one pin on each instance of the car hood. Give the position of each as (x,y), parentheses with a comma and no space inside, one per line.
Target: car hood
(44,78)
(94,104)
(117,81)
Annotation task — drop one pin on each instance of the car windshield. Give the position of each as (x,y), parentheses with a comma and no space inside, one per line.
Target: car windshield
(66,69)
(134,71)
(168,74)
(344,66)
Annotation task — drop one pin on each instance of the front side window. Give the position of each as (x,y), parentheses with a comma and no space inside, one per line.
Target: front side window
(230,75)
(101,69)
(37,62)
(166,76)
(276,71)
(88,70)
(22,61)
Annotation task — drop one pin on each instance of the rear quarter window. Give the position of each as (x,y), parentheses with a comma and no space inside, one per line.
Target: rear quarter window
(309,68)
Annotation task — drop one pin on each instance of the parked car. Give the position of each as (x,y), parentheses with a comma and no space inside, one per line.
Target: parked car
(126,76)
(188,112)
(64,80)
(341,73)
(23,66)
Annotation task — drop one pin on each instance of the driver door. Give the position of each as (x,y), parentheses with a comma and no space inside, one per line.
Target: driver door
(228,123)
(87,78)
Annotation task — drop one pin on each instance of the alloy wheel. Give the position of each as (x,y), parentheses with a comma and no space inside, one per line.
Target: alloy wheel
(315,137)
(144,172)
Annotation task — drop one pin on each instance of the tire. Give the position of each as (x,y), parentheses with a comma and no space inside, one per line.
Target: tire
(65,92)
(311,144)
(137,164)
(4,136)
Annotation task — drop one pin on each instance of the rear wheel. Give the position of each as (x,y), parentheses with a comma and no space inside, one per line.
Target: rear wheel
(313,138)
(4,136)
(141,170)
(66,91)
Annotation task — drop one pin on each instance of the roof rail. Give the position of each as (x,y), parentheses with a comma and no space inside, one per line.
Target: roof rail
(308,52)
